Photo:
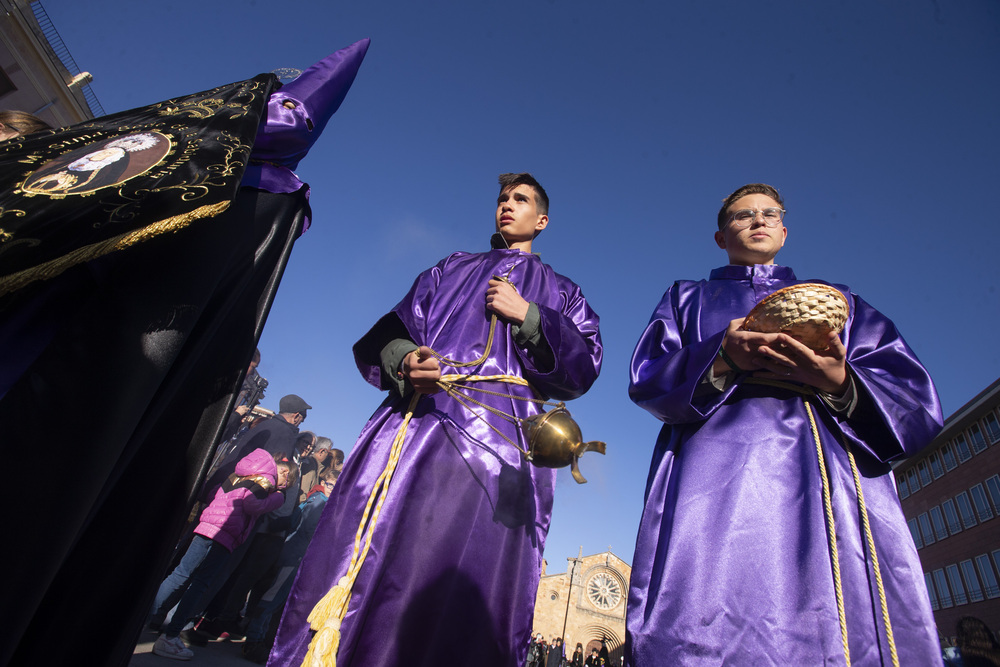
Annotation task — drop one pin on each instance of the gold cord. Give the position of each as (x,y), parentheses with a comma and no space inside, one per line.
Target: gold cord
(329,612)
(489,339)
(869,539)
(448,384)
(831,534)
(875,567)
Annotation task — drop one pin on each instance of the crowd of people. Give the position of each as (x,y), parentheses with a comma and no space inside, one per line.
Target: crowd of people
(553,654)
(258,512)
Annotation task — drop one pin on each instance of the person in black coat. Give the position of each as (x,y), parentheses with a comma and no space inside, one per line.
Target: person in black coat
(554,656)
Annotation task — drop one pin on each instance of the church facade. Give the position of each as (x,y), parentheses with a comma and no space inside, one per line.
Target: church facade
(586,604)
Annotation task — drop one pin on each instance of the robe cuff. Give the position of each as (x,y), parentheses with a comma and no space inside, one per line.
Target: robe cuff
(846,403)
(529,335)
(719,383)
(529,332)
(392,360)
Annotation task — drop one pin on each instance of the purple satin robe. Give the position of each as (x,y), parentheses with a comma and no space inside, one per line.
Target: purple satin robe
(457,552)
(732,563)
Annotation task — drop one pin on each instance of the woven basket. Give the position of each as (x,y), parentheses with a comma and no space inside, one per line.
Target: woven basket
(806,312)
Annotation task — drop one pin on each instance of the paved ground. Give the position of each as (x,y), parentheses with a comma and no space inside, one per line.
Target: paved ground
(216,654)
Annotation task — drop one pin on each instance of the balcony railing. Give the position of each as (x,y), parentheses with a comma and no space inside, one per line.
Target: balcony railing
(65,57)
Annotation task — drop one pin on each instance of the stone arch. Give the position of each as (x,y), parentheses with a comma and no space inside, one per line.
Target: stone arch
(595,632)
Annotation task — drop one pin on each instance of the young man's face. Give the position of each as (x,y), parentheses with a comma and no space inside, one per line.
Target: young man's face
(758,243)
(517,216)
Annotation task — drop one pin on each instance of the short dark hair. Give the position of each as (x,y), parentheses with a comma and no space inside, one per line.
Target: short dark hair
(508,181)
(23,122)
(748,189)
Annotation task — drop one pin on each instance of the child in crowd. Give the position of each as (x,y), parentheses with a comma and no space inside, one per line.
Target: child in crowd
(254,489)
(260,628)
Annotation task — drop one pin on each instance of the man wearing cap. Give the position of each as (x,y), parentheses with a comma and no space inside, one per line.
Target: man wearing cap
(274,434)
(772,533)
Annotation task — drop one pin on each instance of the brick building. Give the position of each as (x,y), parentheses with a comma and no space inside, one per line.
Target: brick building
(585,604)
(37,72)
(950,495)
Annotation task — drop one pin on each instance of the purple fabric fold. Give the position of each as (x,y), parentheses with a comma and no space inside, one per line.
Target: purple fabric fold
(456,557)
(732,562)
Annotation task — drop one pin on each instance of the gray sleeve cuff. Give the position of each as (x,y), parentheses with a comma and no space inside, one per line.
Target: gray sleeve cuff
(529,336)
(712,383)
(392,358)
(844,404)
(529,332)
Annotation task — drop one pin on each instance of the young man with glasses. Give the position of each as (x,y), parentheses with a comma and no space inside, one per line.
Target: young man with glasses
(734,562)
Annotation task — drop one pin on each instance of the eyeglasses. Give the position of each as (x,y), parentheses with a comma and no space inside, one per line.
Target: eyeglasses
(745,217)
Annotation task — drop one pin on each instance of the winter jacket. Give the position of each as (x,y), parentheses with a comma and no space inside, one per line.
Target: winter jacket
(244,496)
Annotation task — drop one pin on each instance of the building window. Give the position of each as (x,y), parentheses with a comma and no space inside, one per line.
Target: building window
(925,528)
(992,427)
(957,590)
(915,532)
(937,520)
(964,453)
(930,591)
(911,479)
(942,588)
(971,581)
(986,575)
(902,486)
(965,510)
(982,505)
(978,441)
(993,489)
(936,469)
(948,456)
(925,474)
(604,591)
(951,517)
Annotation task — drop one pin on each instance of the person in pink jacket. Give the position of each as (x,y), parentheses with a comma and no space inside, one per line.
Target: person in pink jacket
(254,489)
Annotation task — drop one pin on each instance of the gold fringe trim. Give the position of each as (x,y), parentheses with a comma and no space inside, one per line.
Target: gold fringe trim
(53,268)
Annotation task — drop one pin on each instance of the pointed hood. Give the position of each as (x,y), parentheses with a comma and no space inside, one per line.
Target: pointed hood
(288,134)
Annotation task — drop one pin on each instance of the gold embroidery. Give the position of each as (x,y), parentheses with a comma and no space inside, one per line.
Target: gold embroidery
(56,266)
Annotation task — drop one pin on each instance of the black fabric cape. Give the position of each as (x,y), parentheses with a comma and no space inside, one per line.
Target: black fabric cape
(144,350)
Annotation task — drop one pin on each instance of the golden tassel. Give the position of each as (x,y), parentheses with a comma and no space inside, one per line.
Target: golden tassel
(324,645)
(332,605)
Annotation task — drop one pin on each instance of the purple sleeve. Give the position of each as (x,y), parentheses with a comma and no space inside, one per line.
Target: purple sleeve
(573,335)
(407,320)
(899,388)
(670,360)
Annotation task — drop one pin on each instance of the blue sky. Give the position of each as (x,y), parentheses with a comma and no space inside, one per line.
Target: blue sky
(878,121)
